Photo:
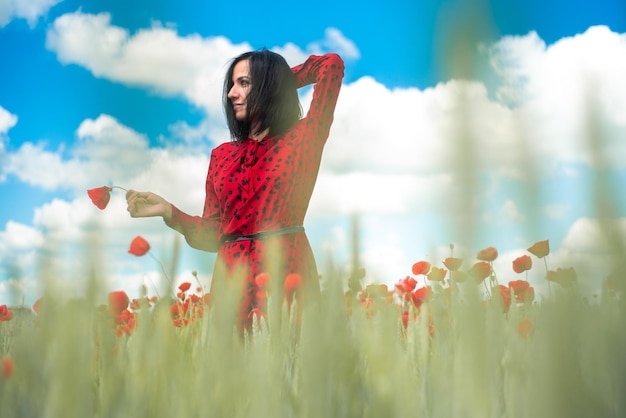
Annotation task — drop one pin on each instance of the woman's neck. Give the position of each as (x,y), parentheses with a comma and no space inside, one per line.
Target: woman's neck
(259,136)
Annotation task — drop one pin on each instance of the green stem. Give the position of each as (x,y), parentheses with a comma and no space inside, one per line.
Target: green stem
(545,263)
(164,273)
(118,187)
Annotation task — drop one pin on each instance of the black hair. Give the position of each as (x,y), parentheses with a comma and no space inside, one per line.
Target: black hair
(273,97)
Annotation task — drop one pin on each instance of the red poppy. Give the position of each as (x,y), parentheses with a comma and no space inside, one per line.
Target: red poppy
(175,310)
(453,263)
(206,299)
(480,271)
(437,274)
(421,267)
(505,296)
(522,290)
(100,196)
(262,280)
(5,313)
(139,246)
(293,282)
(7,367)
(406,285)
(525,328)
(539,249)
(37,305)
(183,287)
(564,277)
(118,302)
(421,295)
(405,319)
(487,254)
(125,317)
(522,263)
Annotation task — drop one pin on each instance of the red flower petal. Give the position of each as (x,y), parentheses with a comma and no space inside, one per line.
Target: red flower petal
(525,327)
(453,263)
(184,286)
(406,285)
(7,367)
(37,305)
(139,246)
(421,267)
(480,271)
(262,280)
(293,282)
(505,296)
(539,249)
(522,263)
(100,196)
(118,302)
(421,295)
(487,254)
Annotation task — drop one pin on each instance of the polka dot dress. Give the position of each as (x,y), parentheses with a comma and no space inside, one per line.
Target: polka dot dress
(266,185)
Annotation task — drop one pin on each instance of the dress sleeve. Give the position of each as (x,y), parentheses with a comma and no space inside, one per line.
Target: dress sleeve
(326,71)
(202,232)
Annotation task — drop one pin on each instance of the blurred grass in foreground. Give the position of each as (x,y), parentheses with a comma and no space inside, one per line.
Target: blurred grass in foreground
(348,361)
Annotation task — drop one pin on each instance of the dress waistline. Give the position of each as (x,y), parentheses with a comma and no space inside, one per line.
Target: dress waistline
(263,234)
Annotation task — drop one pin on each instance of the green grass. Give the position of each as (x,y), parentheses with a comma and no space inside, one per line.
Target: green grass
(339,361)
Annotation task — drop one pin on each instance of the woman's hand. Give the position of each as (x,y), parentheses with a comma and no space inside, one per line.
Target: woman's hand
(146,204)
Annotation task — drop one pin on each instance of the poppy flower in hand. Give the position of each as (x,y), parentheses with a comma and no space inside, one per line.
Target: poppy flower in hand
(139,246)
(540,249)
(100,196)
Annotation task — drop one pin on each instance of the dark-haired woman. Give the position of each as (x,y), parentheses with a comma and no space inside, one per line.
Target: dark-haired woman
(259,185)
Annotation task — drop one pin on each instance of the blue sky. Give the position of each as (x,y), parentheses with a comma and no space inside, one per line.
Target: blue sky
(104,92)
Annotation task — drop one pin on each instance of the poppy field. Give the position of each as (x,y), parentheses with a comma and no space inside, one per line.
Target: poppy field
(445,341)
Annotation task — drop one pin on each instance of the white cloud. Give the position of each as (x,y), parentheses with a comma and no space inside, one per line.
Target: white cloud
(19,236)
(7,121)
(156,58)
(559,90)
(31,10)
(337,42)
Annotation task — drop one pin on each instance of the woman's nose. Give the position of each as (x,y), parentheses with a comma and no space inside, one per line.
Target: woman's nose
(232,93)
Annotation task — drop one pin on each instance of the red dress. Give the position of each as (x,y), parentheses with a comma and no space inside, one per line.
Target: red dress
(255,186)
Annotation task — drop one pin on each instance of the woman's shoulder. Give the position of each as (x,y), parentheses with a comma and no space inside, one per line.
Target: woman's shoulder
(225,147)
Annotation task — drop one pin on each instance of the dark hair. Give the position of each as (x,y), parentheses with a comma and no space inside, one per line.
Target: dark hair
(272,99)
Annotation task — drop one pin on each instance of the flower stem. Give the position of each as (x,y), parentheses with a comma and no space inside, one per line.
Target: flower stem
(163,270)
(118,187)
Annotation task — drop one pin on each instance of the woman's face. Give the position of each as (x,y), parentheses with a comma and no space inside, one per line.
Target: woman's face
(239,90)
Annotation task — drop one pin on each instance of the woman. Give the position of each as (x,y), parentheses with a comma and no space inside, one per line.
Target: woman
(259,185)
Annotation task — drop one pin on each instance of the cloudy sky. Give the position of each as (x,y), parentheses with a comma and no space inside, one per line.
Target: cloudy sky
(471,123)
